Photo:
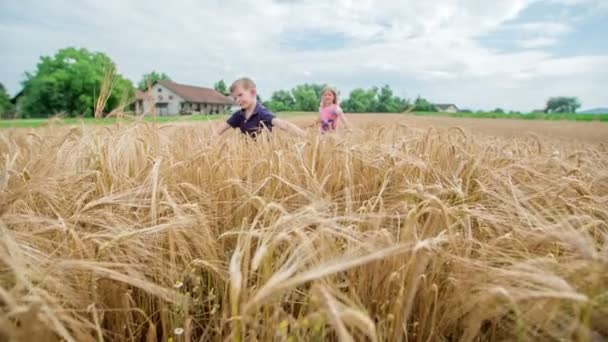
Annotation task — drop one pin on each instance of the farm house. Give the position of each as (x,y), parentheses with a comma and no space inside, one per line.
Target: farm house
(447,107)
(170,98)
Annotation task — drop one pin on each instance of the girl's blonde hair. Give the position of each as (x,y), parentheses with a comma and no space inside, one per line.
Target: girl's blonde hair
(333,91)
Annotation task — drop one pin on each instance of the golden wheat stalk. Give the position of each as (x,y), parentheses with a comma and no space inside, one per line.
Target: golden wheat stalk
(105,90)
(144,232)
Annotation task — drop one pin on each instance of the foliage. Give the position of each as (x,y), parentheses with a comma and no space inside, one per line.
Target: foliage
(423,105)
(6,107)
(386,102)
(69,83)
(562,104)
(307,97)
(361,101)
(148,79)
(374,100)
(221,87)
(304,97)
(281,101)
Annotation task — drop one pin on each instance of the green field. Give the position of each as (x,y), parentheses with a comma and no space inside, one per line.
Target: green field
(31,123)
(39,122)
(526,116)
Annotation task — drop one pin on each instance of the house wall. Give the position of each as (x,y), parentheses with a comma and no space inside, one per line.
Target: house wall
(451,109)
(213,109)
(164,95)
(175,104)
(205,108)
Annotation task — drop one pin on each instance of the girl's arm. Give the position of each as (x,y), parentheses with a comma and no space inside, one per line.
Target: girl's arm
(342,117)
(317,120)
(315,123)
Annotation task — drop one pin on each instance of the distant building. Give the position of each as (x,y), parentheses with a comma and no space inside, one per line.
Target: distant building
(446,107)
(15,98)
(170,98)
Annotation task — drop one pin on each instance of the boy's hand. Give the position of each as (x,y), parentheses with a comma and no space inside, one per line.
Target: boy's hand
(216,134)
(288,126)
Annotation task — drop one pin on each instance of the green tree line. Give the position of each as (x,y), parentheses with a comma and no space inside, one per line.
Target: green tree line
(307,97)
(70,81)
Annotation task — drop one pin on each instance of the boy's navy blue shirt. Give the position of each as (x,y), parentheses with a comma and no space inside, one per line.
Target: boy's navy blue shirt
(260,118)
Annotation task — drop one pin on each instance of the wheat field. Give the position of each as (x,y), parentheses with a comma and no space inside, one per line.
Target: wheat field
(402,230)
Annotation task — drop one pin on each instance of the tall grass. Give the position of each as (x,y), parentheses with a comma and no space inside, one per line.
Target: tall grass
(142,232)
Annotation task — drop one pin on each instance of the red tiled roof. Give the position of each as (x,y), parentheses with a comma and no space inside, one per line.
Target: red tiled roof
(196,94)
(444,105)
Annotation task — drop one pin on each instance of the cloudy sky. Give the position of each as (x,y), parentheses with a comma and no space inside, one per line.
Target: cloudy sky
(474,53)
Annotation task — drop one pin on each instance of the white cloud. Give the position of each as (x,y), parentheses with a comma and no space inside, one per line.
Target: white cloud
(538,34)
(418,46)
(591,3)
(547,28)
(537,42)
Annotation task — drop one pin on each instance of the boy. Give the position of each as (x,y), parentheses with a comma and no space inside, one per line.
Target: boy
(253,116)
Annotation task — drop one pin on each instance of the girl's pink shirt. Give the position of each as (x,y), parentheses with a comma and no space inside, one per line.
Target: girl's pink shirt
(329,117)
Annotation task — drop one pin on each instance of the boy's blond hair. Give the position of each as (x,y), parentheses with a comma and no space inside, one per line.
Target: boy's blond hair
(245,82)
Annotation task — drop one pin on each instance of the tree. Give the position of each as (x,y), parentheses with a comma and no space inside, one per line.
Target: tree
(562,104)
(221,87)
(498,111)
(151,77)
(69,83)
(307,97)
(423,105)
(374,100)
(281,101)
(6,107)
(387,103)
(361,101)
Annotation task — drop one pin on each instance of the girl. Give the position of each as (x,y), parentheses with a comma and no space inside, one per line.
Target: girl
(330,111)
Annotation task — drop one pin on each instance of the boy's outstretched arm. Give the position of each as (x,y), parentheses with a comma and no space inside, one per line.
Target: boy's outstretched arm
(288,126)
(215,134)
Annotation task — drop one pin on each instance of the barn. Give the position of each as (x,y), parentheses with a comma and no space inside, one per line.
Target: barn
(170,98)
(446,107)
